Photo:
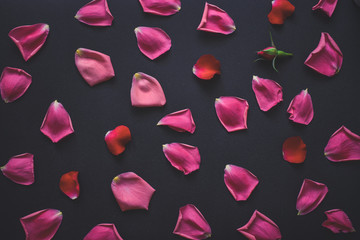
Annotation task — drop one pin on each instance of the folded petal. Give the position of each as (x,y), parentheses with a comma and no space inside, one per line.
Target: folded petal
(95,13)
(191,224)
(95,67)
(69,184)
(343,145)
(260,227)
(117,139)
(337,221)
(206,67)
(310,196)
(327,57)
(13,83)
(103,231)
(294,150)
(152,41)
(301,108)
(42,225)
(180,121)
(268,93)
(20,169)
(240,182)
(131,191)
(281,9)
(327,6)
(232,112)
(161,7)
(183,157)
(29,38)
(146,91)
(57,123)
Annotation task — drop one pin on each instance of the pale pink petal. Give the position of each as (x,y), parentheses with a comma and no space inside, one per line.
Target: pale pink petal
(327,57)
(268,93)
(152,41)
(301,108)
(216,20)
(180,121)
(183,157)
(42,225)
(95,13)
(161,7)
(232,112)
(117,139)
(95,67)
(343,145)
(13,83)
(29,38)
(260,227)
(146,91)
(310,196)
(131,191)
(57,123)
(191,224)
(20,169)
(69,184)
(337,221)
(206,67)
(327,6)
(103,231)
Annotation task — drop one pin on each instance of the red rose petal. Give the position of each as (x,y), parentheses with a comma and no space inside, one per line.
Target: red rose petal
(310,196)
(69,184)
(95,13)
(13,83)
(103,231)
(20,169)
(337,221)
(161,7)
(301,108)
(206,67)
(117,139)
(268,93)
(180,121)
(281,9)
(294,150)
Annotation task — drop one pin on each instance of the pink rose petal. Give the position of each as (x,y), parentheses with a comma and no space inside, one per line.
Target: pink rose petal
(20,169)
(260,227)
(161,7)
(180,121)
(146,91)
(183,157)
(29,38)
(216,20)
(103,231)
(152,41)
(327,6)
(268,93)
(131,191)
(95,13)
(42,225)
(232,112)
(191,224)
(310,196)
(57,123)
(13,83)
(301,108)
(95,67)
(337,221)
(327,57)
(69,184)
(240,182)
(343,145)
(206,67)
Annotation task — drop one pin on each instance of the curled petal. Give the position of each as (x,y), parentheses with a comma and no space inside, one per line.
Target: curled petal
(131,191)
(95,13)
(294,150)
(240,182)
(343,145)
(13,83)
(180,121)
(95,67)
(29,38)
(327,6)
(57,123)
(327,57)
(117,139)
(191,224)
(232,112)
(161,7)
(103,231)
(260,227)
(183,157)
(206,67)
(42,225)
(310,196)
(20,169)
(69,184)
(268,93)
(301,108)
(337,221)
(281,9)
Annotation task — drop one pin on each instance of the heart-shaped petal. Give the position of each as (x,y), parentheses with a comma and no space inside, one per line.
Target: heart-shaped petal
(95,13)
(117,139)
(103,231)
(183,157)
(310,196)
(301,108)
(268,93)
(327,6)
(180,121)
(161,7)
(294,150)
(337,221)
(69,184)
(20,169)
(206,67)
(281,9)
(13,83)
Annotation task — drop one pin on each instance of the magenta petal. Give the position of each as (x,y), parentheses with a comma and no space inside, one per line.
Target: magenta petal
(13,83)
(95,13)
(161,7)
(20,169)
(57,123)
(103,231)
(191,224)
(343,145)
(337,221)
(310,196)
(216,20)
(180,121)
(183,157)
(260,227)
(42,225)
(131,191)
(327,6)
(301,108)
(268,93)
(327,57)
(232,112)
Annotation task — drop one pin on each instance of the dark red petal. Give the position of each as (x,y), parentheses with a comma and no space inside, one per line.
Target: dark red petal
(206,67)
(294,150)
(281,9)
(117,139)
(69,184)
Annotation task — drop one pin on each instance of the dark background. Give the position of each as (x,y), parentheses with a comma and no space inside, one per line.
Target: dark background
(96,110)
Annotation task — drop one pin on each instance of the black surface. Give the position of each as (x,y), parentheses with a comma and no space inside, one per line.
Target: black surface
(96,110)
